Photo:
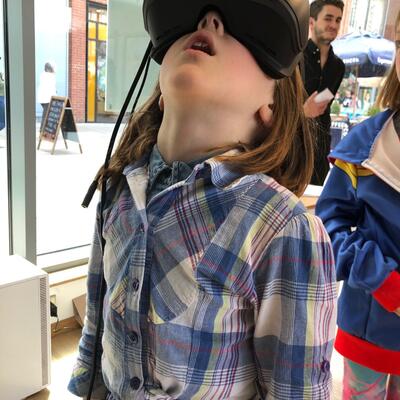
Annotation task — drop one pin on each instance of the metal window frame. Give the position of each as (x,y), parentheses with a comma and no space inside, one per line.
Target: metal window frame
(19,38)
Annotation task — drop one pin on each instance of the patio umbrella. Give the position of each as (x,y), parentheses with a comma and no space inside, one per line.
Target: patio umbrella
(365,54)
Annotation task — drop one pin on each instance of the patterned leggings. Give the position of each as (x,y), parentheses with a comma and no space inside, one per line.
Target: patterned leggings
(362,383)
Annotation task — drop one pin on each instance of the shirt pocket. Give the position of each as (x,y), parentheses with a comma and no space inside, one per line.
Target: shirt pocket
(174,302)
(172,292)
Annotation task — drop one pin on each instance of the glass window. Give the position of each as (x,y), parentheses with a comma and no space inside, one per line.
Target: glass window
(368,15)
(93,68)
(102,32)
(92,50)
(4,236)
(92,30)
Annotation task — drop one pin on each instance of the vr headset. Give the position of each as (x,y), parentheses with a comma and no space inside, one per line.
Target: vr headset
(274,31)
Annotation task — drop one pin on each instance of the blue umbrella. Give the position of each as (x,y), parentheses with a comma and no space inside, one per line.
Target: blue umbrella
(367,53)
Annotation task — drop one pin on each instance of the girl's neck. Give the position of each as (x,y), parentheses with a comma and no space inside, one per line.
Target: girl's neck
(190,135)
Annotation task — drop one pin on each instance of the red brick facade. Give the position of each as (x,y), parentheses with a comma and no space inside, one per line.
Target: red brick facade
(346,18)
(393,9)
(77,57)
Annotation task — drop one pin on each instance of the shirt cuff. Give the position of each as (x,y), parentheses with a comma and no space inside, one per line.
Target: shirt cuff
(388,294)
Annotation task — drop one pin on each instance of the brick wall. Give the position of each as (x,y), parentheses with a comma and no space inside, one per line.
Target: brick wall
(77,57)
(344,27)
(393,9)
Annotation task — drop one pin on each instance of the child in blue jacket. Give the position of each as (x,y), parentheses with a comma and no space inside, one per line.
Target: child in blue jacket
(360,207)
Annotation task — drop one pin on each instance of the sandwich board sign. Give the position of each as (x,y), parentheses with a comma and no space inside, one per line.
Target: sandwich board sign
(58,117)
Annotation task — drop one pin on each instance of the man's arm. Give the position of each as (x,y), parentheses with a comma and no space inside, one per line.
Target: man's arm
(340,70)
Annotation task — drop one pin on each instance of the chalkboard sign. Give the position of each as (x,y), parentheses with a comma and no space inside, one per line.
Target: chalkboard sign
(59,116)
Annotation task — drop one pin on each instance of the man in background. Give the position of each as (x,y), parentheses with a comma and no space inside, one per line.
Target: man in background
(322,69)
(46,89)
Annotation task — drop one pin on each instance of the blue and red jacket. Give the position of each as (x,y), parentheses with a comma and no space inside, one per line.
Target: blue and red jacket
(360,208)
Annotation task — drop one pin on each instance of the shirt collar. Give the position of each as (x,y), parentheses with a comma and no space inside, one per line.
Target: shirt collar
(311,46)
(221,174)
(161,173)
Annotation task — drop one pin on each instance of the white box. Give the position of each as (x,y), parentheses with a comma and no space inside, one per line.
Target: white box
(25,355)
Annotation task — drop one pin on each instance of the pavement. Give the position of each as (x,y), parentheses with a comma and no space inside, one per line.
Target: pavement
(62,181)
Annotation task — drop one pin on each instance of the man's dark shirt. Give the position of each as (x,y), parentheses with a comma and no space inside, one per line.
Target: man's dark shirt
(317,79)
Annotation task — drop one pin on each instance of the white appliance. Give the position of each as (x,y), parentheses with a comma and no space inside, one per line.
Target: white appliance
(24,328)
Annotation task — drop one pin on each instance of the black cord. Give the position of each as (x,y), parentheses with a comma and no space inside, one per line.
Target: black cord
(145,60)
(141,86)
(99,317)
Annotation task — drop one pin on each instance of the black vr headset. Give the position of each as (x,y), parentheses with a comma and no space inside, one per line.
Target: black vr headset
(274,31)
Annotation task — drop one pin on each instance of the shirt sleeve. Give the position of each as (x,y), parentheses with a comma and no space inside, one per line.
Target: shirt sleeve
(296,317)
(80,379)
(339,70)
(359,261)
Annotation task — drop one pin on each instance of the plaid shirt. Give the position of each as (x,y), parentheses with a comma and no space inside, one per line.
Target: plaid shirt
(221,287)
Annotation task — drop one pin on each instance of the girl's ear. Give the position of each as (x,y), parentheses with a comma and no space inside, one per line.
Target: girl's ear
(266,114)
(161,103)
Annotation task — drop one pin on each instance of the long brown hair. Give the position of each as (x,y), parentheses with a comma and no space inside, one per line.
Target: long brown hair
(285,152)
(389,95)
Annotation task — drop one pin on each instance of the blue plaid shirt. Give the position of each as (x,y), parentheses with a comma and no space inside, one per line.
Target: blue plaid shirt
(220,287)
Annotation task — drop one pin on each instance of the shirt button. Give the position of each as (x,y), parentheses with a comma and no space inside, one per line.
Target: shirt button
(135,383)
(135,284)
(134,337)
(325,366)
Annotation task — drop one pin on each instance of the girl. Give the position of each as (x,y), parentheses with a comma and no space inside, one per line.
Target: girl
(360,206)
(219,284)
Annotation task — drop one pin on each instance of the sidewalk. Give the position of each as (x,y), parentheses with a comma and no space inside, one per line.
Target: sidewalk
(62,182)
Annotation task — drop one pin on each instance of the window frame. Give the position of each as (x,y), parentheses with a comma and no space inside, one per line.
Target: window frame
(19,38)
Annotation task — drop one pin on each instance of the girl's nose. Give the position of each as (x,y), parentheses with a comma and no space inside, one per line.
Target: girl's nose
(212,21)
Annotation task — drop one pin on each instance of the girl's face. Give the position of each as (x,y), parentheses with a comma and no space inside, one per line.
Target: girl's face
(211,66)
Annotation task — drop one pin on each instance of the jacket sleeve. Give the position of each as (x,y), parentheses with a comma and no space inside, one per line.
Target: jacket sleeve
(79,382)
(358,261)
(296,317)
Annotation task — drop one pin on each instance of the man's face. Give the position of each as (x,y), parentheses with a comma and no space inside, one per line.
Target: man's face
(326,27)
